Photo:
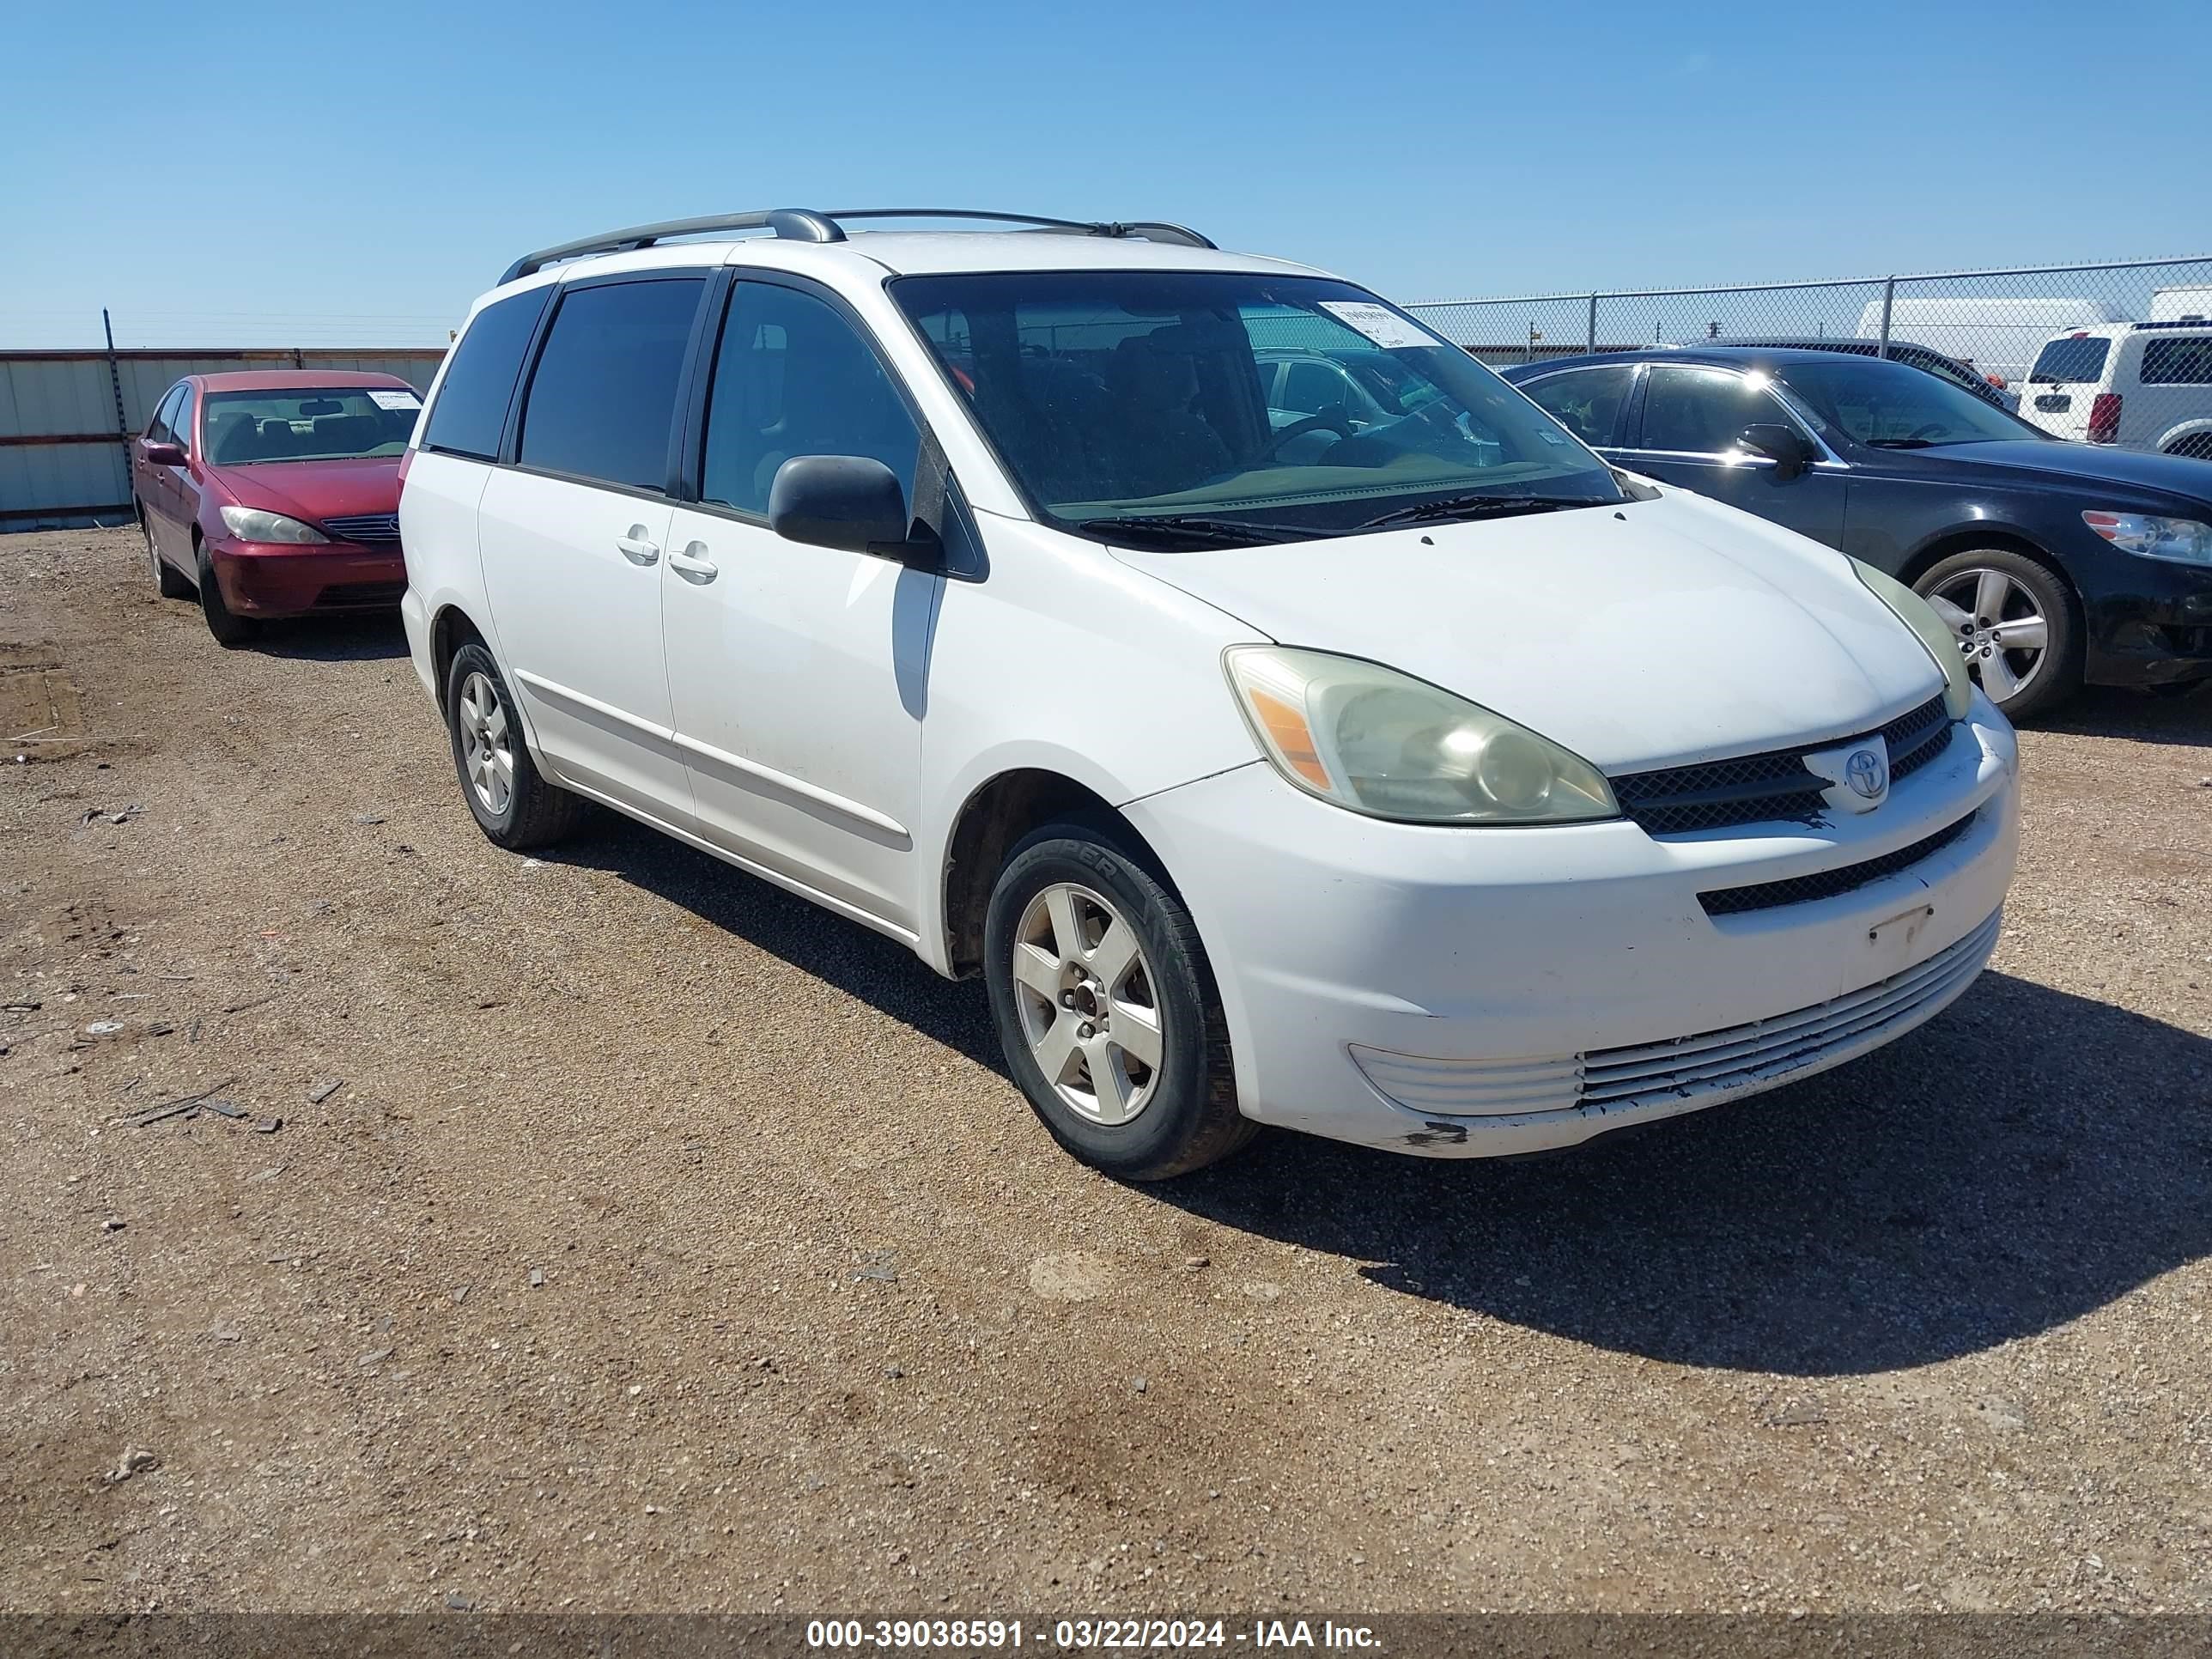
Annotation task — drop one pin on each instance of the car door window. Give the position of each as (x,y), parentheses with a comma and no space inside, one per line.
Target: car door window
(470,413)
(792,377)
(603,397)
(1585,401)
(2187,360)
(1311,387)
(1700,411)
(180,421)
(159,430)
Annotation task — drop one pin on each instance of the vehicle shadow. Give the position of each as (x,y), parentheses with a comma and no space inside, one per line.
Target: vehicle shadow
(2026,1158)
(2141,716)
(372,636)
(879,971)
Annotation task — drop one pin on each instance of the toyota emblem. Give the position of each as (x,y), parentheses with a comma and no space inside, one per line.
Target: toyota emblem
(1866,774)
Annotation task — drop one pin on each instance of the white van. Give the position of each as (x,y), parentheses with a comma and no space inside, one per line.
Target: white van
(1403,772)
(2191,303)
(2139,385)
(1997,335)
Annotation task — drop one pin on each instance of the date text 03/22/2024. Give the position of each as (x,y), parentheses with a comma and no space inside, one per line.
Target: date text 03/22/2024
(1087,1635)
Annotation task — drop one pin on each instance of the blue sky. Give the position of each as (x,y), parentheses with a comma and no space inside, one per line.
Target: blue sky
(314,174)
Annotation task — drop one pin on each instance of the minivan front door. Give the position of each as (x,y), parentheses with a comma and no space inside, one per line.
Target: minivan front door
(798,673)
(574,533)
(1691,419)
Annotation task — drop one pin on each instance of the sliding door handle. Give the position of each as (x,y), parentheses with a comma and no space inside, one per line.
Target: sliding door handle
(694,566)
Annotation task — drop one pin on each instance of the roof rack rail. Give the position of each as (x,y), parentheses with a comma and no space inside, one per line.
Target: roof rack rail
(809,225)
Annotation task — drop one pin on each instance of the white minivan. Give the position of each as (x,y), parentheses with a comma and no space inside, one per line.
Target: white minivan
(1398,771)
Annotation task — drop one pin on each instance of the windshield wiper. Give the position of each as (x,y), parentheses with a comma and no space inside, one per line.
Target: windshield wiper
(1903,443)
(1475,506)
(1218,532)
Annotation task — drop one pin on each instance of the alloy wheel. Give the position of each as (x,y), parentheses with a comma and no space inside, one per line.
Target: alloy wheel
(1999,624)
(487,742)
(1090,1006)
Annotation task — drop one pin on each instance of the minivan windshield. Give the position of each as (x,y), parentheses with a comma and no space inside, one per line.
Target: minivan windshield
(1218,407)
(1891,406)
(339,423)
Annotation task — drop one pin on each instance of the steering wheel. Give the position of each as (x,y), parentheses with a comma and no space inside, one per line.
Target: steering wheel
(1931,430)
(1329,420)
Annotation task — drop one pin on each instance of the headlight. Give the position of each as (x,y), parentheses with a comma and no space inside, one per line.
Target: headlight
(2183,540)
(1392,746)
(1916,614)
(253,525)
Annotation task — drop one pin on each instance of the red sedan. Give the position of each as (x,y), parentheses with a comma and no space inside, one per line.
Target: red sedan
(275,495)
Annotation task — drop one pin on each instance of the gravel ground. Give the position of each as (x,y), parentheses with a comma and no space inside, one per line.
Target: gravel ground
(666,1243)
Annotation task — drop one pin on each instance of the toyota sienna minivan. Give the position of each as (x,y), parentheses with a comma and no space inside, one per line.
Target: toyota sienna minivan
(1397,771)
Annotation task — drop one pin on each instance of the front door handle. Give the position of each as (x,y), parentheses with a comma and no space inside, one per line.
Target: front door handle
(637,547)
(694,566)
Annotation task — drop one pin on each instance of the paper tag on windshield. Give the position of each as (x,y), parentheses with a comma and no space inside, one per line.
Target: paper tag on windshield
(1379,323)
(395,400)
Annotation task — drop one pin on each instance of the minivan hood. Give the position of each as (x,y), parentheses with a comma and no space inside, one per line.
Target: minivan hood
(1656,633)
(2067,465)
(314,489)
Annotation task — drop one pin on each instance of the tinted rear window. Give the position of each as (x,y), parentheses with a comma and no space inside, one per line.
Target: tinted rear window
(2063,361)
(472,406)
(2187,360)
(603,395)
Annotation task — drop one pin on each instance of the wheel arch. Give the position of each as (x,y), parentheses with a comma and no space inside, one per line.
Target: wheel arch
(1973,537)
(2187,438)
(450,630)
(995,816)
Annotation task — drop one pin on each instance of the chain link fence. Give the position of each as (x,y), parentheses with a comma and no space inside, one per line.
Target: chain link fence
(2118,354)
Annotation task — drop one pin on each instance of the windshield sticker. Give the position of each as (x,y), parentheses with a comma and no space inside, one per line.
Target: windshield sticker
(1379,324)
(395,400)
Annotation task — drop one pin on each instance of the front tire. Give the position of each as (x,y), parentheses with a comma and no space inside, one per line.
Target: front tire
(2013,620)
(230,629)
(1107,1010)
(512,804)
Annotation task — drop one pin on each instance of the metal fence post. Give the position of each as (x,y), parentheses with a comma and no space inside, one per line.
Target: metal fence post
(115,385)
(1888,303)
(1589,327)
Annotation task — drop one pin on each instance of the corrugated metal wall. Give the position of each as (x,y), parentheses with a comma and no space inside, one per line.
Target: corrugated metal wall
(64,458)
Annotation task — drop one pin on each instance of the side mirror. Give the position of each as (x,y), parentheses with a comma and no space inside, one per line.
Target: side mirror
(1784,446)
(851,502)
(164,454)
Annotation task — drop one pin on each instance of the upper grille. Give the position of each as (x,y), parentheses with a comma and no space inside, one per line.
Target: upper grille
(1772,787)
(364,527)
(1827,884)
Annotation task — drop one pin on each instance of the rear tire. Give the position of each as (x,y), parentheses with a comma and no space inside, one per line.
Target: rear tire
(512,802)
(1990,595)
(1097,974)
(230,629)
(2198,446)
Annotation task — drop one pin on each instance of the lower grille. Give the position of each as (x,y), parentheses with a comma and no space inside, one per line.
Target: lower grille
(340,594)
(1766,1050)
(1774,787)
(1827,884)
(1756,1054)
(364,527)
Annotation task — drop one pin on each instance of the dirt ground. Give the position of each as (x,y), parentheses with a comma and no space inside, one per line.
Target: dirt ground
(669,1244)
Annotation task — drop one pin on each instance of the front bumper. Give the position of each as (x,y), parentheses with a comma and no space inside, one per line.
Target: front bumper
(262,579)
(2150,623)
(1472,993)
